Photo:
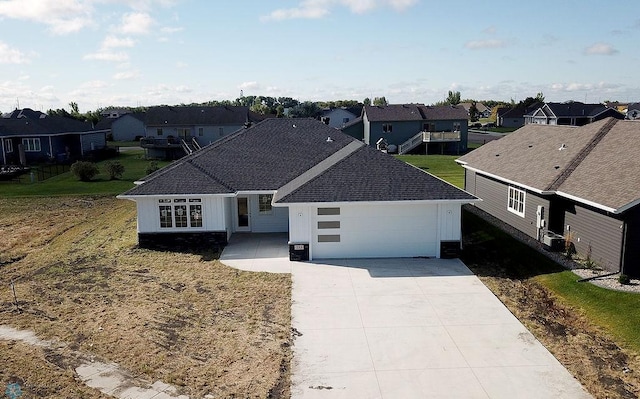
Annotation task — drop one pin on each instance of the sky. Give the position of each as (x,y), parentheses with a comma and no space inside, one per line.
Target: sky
(101,53)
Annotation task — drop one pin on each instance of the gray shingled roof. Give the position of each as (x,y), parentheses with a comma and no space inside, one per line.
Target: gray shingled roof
(414,112)
(29,122)
(295,157)
(199,115)
(598,162)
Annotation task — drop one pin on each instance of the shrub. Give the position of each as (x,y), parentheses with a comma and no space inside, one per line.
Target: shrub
(85,171)
(114,169)
(624,279)
(153,166)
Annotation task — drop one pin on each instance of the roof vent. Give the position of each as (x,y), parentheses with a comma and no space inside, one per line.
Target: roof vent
(562,147)
(294,125)
(329,139)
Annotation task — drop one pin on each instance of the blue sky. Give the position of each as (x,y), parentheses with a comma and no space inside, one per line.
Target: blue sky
(147,52)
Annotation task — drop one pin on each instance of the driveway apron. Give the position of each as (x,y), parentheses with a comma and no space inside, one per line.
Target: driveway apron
(405,328)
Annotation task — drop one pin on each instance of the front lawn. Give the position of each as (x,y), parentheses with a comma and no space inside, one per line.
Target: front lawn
(66,184)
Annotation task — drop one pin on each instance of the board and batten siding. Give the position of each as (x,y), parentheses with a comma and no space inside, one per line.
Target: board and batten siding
(213,215)
(275,222)
(495,197)
(603,233)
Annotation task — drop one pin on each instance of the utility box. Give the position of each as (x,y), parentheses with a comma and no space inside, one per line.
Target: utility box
(553,241)
(299,252)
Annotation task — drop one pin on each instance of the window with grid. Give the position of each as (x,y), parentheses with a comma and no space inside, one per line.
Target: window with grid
(166,219)
(31,144)
(8,145)
(516,201)
(264,204)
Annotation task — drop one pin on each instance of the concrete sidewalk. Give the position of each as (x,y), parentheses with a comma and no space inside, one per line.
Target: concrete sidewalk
(404,328)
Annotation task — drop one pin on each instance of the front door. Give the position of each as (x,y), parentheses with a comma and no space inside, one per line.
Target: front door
(242,214)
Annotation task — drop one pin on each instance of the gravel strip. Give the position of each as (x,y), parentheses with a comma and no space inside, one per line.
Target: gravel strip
(608,280)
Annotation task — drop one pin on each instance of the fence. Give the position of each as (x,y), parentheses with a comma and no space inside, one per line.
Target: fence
(40,173)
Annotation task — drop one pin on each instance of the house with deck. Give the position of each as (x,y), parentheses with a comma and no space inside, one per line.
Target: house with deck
(335,196)
(28,137)
(560,185)
(405,128)
(173,131)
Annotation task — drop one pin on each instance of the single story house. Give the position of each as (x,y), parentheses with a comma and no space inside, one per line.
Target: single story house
(129,127)
(171,132)
(572,113)
(483,111)
(514,116)
(338,117)
(403,128)
(28,136)
(335,196)
(565,185)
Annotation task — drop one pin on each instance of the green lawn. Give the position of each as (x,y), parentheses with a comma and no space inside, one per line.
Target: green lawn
(616,312)
(443,166)
(123,144)
(66,184)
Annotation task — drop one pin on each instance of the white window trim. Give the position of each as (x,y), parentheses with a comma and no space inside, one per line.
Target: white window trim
(173,204)
(512,200)
(31,144)
(265,212)
(8,146)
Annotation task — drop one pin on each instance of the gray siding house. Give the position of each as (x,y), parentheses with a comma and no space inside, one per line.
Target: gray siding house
(562,184)
(28,136)
(128,127)
(415,127)
(172,132)
(339,117)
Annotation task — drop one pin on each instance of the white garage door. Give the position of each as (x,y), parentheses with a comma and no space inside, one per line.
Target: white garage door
(371,231)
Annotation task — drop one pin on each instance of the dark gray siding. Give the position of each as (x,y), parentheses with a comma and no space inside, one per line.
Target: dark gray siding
(494,195)
(603,233)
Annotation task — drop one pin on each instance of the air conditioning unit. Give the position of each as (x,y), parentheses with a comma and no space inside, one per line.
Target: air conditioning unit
(553,241)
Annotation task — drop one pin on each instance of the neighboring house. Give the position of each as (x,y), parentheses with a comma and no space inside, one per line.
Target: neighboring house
(355,129)
(483,111)
(514,116)
(339,117)
(28,136)
(334,195)
(557,183)
(633,111)
(129,127)
(172,132)
(405,127)
(114,113)
(571,113)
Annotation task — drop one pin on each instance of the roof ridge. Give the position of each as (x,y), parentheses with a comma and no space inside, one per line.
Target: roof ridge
(318,169)
(582,154)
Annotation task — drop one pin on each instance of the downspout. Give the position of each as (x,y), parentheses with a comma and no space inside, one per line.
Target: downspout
(4,155)
(81,147)
(50,149)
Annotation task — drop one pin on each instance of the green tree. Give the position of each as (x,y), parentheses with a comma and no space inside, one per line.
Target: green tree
(307,109)
(367,101)
(380,101)
(453,98)
(280,111)
(540,97)
(473,112)
(74,108)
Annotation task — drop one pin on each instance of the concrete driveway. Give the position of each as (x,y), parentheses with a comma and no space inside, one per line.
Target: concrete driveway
(403,328)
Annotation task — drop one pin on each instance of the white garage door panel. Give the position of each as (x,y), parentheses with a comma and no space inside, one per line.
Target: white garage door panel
(380,231)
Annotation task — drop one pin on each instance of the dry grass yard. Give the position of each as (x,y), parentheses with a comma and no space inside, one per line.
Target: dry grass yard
(181,318)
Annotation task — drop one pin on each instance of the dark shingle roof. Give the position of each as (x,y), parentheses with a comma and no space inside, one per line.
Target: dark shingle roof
(297,158)
(200,115)
(370,175)
(414,112)
(30,122)
(597,162)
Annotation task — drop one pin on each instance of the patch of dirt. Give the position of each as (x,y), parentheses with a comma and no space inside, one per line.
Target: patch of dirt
(601,366)
(179,317)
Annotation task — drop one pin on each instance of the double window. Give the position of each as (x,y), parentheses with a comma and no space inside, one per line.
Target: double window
(180,212)
(8,145)
(159,131)
(516,201)
(387,127)
(31,144)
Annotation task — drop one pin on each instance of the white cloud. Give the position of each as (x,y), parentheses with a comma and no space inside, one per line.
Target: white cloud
(485,44)
(9,55)
(315,9)
(136,23)
(113,41)
(104,55)
(62,16)
(600,49)
(168,29)
(127,75)
(249,85)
